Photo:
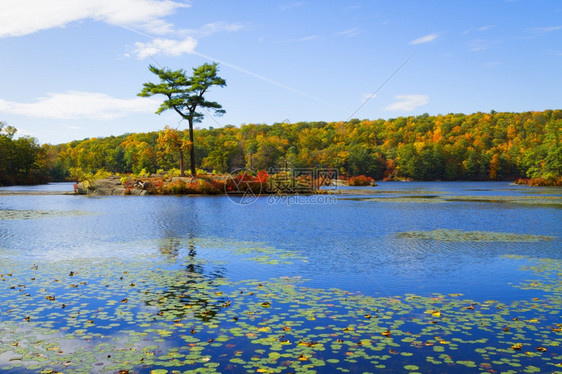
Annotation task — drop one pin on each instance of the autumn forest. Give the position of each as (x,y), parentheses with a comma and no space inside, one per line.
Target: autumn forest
(479,146)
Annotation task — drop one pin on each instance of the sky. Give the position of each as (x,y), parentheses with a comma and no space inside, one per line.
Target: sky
(72,69)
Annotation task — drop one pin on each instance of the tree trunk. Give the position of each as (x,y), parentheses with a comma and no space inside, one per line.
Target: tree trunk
(182,167)
(192,150)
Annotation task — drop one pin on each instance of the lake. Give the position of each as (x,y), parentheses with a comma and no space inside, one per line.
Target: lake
(404,277)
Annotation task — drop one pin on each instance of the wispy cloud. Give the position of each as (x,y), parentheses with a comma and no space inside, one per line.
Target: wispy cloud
(291,6)
(548,29)
(23,17)
(424,39)
(307,38)
(479,29)
(407,103)
(144,17)
(349,33)
(168,47)
(484,28)
(185,41)
(478,45)
(212,28)
(80,105)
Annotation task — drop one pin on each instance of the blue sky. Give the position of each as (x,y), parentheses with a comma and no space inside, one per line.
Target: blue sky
(71,69)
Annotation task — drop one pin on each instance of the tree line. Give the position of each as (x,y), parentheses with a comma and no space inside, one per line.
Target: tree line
(479,146)
(22,160)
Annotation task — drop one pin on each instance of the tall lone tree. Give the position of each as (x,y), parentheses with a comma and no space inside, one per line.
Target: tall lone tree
(185,95)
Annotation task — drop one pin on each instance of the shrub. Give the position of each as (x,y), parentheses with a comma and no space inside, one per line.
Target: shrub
(360,180)
(543,182)
(173,173)
(209,187)
(262,177)
(176,188)
(143,173)
(206,186)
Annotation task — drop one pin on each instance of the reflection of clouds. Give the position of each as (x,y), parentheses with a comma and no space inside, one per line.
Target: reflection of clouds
(39,343)
(136,250)
(76,353)
(19,214)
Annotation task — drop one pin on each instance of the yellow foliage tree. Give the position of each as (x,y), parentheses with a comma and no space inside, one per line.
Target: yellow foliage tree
(170,141)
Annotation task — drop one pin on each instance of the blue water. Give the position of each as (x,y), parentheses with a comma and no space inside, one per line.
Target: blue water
(348,244)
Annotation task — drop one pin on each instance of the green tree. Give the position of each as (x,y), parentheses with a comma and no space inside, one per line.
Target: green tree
(185,95)
(22,160)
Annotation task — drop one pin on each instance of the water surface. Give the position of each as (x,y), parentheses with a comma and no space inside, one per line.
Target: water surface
(334,285)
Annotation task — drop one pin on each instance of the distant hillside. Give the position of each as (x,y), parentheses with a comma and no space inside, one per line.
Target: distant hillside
(479,146)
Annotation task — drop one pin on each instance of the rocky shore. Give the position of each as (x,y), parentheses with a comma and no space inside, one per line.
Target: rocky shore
(200,185)
(115,185)
(109,186)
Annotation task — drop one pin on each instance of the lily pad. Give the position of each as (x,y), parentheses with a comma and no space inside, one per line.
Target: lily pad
(479,236)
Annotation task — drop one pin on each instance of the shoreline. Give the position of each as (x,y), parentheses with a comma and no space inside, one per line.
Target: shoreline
(35,193)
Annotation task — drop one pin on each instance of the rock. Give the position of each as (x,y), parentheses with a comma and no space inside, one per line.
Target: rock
(101,187)
(136,191)
(106,184)
(119,190)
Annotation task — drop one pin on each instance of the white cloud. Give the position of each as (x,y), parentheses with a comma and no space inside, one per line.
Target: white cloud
(213,28)
(22,17)
(144,17)
(291,6)
(299,40)
(350,33)
(80,105)
(478,45)
(407,103)
(485,28)
(308,38)
(167,47)
(425,39)
(548,29)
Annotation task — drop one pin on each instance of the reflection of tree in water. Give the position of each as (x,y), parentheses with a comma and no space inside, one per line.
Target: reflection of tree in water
(189,291)
(169,248)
